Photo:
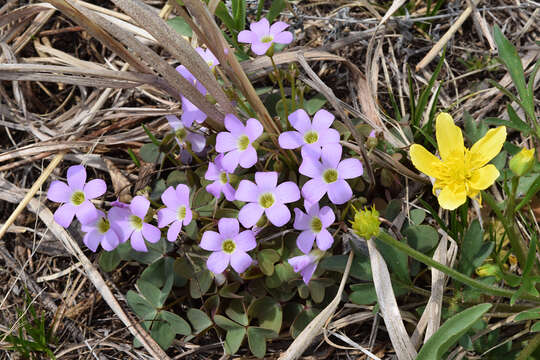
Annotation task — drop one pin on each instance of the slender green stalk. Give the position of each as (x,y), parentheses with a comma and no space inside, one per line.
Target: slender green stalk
(456,275)
(532,345)
(281,89)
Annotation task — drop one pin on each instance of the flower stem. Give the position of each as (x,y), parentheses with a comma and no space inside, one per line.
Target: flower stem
(456,275)
(281,90)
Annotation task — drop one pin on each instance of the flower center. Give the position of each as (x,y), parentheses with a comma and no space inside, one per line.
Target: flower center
(103,225)
(330,175)
(136,222)
(243,142)
(311,137)
(181,212)
(266,200)
(228,246)
(267,38)
(223,178)
(316,225)
(210,63)
(77,198)
(181,133)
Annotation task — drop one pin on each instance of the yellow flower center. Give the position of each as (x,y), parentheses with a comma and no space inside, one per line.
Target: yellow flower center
(228,246)
(103,225)
(330,175)
(311,137)
(457,169)
(223,178)
(316,225)
(243,142)
(266,200)
(267,38)
(136,222)
(181,213)
(77,198)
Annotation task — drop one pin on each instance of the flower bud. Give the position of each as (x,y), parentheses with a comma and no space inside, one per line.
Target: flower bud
(522,162)
(372,140)
(487,270)
(366,223)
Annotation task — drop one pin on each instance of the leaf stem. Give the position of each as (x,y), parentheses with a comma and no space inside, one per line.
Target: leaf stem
(281,90)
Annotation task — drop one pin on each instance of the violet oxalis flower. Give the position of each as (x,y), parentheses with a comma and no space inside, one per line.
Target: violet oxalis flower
(228,246)
(262,35)
(132,223)
(237,143)
(328,175)
(177,211)
(221,183)
(266,197)
(76,196)
(314,224)
(310,136)
(207,56)
(184,136)
(306,264)
(101,231)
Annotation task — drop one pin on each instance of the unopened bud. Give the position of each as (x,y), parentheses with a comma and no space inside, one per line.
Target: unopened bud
(372,140)
(522,162)
(366,223)
(487,270)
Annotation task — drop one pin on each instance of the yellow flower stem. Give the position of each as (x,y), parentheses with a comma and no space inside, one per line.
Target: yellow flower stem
(456,275)
(281,90)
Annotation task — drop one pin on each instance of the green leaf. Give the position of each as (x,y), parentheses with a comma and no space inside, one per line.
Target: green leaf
(178,325)
(177,177)
(395,259)
(360,267)
(257,340)
(275,9)
(474,130)
(229,291)
(236,312)
(150,292)
(226,323)
(268,312)
(149,152)
(140,305)
(199,320)
(200,284)
(363,294)
(109,260)
(159,271)
(474,250)
(180,26)
(417,216)
(239,13)
(528,315)
(161,332)
(223,14)
(316,289)
(450,332)
(234,339)
(536,326)
(303,320)
(267,258)
(423,238)
(314,104)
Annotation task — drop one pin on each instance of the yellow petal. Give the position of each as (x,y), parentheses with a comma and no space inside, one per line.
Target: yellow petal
(484,177)
(449,136)
(452,198)
(424,161)
(487,147)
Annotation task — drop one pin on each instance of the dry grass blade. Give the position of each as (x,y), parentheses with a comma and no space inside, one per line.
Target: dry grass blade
(314,328)
(389,308)
(22,13)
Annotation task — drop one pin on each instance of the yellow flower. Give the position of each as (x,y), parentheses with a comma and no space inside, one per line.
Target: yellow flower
(460,172)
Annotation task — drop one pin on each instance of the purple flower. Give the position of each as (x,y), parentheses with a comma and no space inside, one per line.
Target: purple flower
(221,183)
(177,210)
(310,136)
(314,224)
(101,231)
(228,246)
(76,196)
(306,264)
(131,223)
(184,136)
(262,35)
(207,56)
(190,112)
(329,175)
(237,143)
(266,197)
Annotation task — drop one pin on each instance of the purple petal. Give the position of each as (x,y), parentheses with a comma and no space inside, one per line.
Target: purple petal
(208,56)
(174,230)
(339,192)
(314,190)
(182,194)
(266,181)
(240,261)
(245,241)
(229,192)
(301,220)
(59,192)
(299,263)
(212,173)
(228,227)
(185,73)
(260,28)
(137,242)
(174,122)
(151,233)
(300,121)
(110,240)
(327,137)
(217,262)
(76,177)
(94,188)
(248,157)
(185,156)
(169,198)
(197,141)
(290,140)
(278,27)
(322,120)
(285,37)
(287,192)
(191,113)
(308,271)
(92,240)
(247,36)
(310,167)
(86,212)
(278,214)
(324,240)
(331,155)
(211,241)
(247,191)
(188,218)
(226,141)
(260,48)
(305,241)
(218,162)
(312,208)
(234,125)
(350,168)
(327,216)
(254,129)
(230,160)
(165,217)
(139,206)
(215,188)
(250,214)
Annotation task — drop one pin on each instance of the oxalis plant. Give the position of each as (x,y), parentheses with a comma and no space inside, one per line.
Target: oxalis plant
(260,218)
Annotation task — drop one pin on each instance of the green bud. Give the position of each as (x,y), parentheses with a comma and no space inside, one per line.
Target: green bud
(366,223)
(522,162)
(487,270)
